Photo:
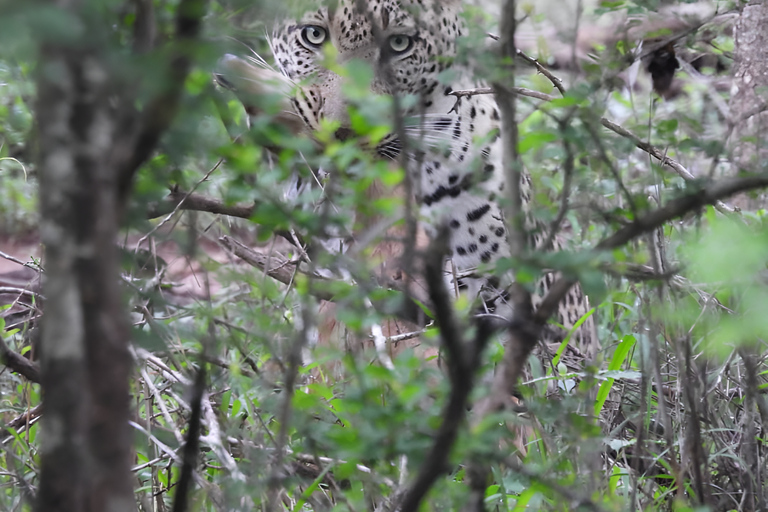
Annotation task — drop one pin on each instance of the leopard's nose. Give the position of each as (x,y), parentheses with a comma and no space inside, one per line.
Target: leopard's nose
(343,134)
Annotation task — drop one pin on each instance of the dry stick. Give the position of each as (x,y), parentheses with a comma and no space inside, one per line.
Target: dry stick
(521,91)
(178,199)
(659,265)
(21,291)
(614,171)
(273,266)
(180,203)
(409,311)
(544,71)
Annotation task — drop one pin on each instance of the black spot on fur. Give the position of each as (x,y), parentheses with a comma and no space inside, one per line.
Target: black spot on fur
(478,213)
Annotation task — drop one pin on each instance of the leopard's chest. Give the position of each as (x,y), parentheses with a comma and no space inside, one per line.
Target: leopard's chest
(460,176)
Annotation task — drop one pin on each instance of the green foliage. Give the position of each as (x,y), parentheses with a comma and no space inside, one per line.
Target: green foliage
(352,429)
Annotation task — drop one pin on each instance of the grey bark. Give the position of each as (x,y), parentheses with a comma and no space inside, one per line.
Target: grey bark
(749,93)
(86,442)
(92,140)
(749,146)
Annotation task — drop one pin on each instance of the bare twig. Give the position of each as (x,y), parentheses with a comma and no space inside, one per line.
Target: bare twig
(180,203)
(178,199)
(639,143)
(521,91)
(660,156)
(16,260)
(21,291)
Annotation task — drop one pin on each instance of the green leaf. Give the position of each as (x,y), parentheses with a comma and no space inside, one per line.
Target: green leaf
(619,356)
(535,140)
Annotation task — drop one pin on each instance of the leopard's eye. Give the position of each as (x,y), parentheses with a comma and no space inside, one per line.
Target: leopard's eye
(314,36)
(400,43)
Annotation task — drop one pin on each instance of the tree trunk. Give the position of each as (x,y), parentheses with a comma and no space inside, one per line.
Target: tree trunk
(92,140)
(749,119)
(750,88)
(86,449)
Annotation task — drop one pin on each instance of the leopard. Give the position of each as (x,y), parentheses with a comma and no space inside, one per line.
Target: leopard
(454,151)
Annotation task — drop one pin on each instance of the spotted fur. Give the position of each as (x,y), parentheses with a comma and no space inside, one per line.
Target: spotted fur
(459,159)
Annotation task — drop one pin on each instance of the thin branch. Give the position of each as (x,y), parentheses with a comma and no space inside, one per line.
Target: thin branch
(274,266)
(544,71)
(21,291)
(138,143)
(461,370)
(16,260)
(660,156)
(178,199)
(568,168)
(592,129)
(706,195)
(410,310)
(180,203)
(192,446)
(521,91)
(639,143)
(19,364)
(22,421)
(652,48)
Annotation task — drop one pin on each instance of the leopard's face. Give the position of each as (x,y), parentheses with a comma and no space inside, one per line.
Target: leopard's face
(407,43)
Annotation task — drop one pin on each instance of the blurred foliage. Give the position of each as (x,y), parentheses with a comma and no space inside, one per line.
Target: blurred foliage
(355,429)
